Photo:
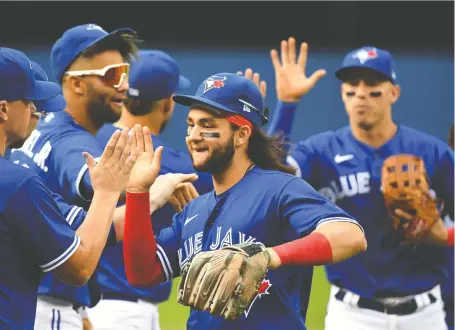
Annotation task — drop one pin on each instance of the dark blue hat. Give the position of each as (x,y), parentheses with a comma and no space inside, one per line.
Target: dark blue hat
(54,104)
(17,79)
(371,58)
(74,41)
(231,93)
(154,76)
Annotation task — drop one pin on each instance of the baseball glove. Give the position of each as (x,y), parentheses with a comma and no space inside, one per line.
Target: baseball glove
(405,186)
(225,281)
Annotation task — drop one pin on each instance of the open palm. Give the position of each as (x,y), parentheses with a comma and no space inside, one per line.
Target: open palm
(148,163)
(291,80)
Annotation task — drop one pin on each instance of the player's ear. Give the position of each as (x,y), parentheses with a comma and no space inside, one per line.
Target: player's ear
(168,104)
(242,135)
(396,92)
(76,84)
(3,111)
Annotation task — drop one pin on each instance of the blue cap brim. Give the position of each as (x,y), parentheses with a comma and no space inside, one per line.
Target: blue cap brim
(43,90)
(184,83)
(55,104)
(189,100)
(344,72)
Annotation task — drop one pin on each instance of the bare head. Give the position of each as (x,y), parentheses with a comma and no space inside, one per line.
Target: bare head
(368,88)
(94,75)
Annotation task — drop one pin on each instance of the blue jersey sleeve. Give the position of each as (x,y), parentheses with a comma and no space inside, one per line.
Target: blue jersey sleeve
(444,179)
(304,208)
(71,169)
(282,120)
(75,216)
(38,225)
(168,244)
(303,158)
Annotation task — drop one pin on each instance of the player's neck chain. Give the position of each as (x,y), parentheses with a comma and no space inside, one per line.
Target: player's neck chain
(249,169)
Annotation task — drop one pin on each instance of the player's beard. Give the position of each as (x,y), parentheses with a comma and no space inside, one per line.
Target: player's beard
(220,159)
(99,111)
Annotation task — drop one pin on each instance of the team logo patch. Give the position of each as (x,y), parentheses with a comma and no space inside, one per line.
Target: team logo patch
(213,82)
(263,290)
(365,55)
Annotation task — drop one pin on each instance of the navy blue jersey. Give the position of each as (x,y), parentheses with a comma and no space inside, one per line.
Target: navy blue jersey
(54,151)
(111,269)
(34,237)
(348,173)
(279,208)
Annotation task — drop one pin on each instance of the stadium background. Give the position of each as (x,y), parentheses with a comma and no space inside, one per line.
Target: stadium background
(211,37)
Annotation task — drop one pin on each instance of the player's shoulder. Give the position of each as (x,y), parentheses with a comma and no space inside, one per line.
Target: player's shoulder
(13,176)
(266,179)
(414,136)
(326,139)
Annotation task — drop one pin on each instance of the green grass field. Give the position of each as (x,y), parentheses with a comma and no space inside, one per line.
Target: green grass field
(173,315)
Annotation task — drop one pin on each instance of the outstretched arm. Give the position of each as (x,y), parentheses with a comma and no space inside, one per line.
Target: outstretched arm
(291,84)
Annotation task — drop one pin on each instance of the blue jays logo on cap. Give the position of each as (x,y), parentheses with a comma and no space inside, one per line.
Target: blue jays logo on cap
(213,82)
(364,55)
(369,58)
(230,93)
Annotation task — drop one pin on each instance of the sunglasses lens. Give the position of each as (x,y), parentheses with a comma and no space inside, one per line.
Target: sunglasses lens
(113,76)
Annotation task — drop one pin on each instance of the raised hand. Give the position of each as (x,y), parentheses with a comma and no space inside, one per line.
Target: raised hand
(148,164)
(113,170)
(256,78)
(291,80)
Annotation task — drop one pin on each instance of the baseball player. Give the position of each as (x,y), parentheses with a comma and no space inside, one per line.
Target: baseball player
(92,67)
(255,200)
(392,285)
(153,79)
(447,287)
(35,235)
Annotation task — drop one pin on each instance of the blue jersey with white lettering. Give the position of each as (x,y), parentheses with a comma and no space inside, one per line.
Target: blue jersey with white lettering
(348,172)
(34,238)
(54,151)
(111,269)
(279,208)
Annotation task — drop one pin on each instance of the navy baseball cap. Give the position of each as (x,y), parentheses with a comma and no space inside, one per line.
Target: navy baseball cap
(17,78)
(155,75)
(54,104)
(74,41)
(370,58)
(231,93)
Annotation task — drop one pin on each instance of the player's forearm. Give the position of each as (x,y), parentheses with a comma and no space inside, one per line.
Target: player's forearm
(283,118)
(119,218)
(93,234)
(323,246)
(139,245)
(346,239)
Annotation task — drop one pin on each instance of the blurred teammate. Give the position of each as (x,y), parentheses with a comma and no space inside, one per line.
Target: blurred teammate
(35,235)
(391,285)
(448,286)
(254,199)
(92,67)
(153,80)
